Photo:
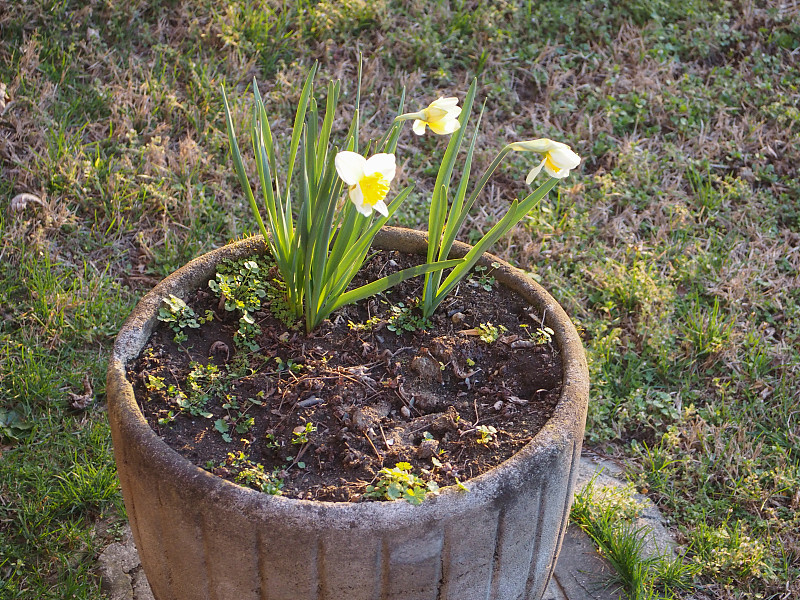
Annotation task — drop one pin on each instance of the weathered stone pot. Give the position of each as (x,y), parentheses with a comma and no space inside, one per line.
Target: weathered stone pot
(202,537)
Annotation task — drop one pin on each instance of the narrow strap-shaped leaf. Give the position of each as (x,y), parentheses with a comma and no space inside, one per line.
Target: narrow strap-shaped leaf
(330,191)
(388,143)
(297,129)
(284,217)
(327,123)
(239,166)
(275,218)
(383,284)
(515,214)
(267,133)
(341,272)
(448,161)
(357,112)
(436,217)
(458,212)
(438,212)
(344,234)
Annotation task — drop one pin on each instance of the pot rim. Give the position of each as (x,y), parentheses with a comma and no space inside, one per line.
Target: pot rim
(563,429)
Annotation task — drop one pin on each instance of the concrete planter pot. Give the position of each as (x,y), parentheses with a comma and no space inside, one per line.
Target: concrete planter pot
(202,537)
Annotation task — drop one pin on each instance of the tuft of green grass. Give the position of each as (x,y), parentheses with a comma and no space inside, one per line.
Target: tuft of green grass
(607,515)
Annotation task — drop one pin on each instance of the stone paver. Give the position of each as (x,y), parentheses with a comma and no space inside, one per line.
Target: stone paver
(121,572)
(580,574)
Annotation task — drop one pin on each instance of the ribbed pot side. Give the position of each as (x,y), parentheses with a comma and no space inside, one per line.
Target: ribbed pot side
(202,537)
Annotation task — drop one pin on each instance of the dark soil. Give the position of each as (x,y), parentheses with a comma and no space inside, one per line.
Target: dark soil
(376,398)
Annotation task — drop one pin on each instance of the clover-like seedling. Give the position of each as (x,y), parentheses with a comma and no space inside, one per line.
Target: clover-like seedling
(486,434)
(403,319)
(400,482)
(179,315)
(541,335)
(300,433)
(490,333)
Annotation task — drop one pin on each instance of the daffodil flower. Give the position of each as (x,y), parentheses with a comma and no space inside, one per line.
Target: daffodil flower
(368,179)
(441,116)
(558,161)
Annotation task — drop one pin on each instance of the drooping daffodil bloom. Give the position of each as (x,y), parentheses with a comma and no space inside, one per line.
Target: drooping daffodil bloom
(368,179)
(441,116)
(558,161)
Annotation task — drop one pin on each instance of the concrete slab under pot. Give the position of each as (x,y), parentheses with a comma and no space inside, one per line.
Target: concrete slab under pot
(202,537)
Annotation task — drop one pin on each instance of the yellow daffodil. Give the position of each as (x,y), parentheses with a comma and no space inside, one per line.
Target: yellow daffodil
(558,161)
(368,179)
(441,116)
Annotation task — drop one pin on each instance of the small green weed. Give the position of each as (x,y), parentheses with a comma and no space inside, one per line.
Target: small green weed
(178,315)
(482,277)
(301,432)
(155,383)
(288,366)
(237,419)
(241,285)
(367,325)
(402,319)
(203,382)
(400,482)
(253,474)
(541,335)
(487,434)
(490,333)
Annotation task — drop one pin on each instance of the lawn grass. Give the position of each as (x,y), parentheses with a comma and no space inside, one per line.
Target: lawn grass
(675,246)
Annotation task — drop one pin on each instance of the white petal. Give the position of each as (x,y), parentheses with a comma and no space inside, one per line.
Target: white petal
(565,158)
(534,172)
(364,209)
(560,174)
(381,208)
(357,197)
(350,166)
(381,163)
(541,145)
(444,126)
(418,127)
(445,102)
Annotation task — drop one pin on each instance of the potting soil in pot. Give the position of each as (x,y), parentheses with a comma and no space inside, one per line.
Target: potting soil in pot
(318,416)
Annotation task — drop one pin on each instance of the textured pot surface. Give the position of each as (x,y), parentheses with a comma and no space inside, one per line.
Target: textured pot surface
(201,537)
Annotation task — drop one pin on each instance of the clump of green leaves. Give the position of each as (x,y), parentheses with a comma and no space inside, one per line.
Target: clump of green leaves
(300,433)
(482,277)
(179,315)
(403,319)
(242,284)
(541,335)
(400,482)
(726,553)
(203,382)
(155,383)
(237,420)
(490,333)
(486,434)
(607,514)
(253,474)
